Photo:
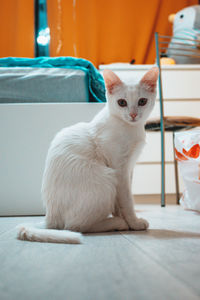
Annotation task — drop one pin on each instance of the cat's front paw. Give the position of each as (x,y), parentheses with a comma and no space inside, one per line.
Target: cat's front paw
(139,224)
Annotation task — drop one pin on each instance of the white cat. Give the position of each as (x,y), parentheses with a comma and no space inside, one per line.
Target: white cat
(89,166)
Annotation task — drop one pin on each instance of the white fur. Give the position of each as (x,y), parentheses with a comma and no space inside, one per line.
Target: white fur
(88,170)
(30,233)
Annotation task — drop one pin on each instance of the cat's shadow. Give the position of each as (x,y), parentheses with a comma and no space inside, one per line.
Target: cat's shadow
(162,234)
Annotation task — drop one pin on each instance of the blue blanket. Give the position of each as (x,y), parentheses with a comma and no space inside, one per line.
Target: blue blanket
(95,79)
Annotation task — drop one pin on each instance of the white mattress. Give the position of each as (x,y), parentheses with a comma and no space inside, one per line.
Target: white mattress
(21,85)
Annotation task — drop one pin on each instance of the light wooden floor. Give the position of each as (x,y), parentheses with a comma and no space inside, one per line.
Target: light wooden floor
(162,263)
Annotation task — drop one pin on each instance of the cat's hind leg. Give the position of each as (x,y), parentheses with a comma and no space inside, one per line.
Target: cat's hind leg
(89,194)
(109,224)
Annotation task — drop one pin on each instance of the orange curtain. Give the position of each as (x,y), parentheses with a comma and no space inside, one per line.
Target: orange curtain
(17,28)
(106,31)
(102,31)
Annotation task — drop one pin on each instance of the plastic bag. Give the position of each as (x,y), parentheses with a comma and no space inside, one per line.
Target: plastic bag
(187,151)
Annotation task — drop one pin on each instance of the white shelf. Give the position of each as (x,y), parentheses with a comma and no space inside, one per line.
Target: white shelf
(129,67)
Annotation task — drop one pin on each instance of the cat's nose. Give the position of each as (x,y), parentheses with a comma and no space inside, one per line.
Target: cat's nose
(133,116)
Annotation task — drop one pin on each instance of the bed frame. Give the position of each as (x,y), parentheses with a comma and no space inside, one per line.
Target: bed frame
(26,131)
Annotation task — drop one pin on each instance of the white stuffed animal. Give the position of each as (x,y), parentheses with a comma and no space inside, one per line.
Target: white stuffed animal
(186,25)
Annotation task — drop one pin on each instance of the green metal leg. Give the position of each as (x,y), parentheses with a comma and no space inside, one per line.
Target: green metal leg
(162,167)
(162,125)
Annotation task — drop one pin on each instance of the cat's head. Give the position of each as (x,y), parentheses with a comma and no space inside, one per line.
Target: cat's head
(131,102)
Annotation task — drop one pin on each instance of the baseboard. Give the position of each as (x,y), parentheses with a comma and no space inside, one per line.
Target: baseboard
(154,199)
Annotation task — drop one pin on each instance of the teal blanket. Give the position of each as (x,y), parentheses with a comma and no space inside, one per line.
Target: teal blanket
(95,79)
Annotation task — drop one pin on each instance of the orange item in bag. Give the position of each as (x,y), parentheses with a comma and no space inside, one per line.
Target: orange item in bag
(193,152)
(179,155)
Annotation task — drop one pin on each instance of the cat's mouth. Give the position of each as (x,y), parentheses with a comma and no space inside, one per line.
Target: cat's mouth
(133,120)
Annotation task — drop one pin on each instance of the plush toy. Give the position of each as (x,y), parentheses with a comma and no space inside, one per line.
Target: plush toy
(186,25)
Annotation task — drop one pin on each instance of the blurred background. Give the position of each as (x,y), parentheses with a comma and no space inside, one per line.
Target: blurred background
(101,31)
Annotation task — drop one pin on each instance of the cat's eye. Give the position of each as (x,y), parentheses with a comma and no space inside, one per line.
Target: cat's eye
(142,101)
(181,16)
(122,102)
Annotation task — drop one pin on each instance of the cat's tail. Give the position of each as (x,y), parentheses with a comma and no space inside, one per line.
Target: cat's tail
(37,233)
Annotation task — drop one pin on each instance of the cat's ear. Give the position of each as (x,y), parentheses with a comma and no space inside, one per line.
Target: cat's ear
(111,80)
(149,80)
